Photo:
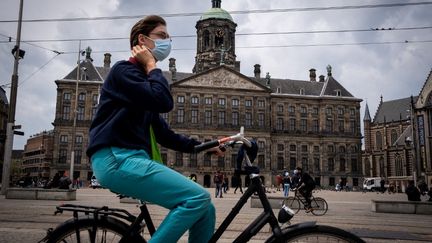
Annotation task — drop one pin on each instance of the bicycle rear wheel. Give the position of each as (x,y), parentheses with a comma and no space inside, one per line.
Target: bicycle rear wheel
(292,203)
(319,206)
(318,233)
(86,230)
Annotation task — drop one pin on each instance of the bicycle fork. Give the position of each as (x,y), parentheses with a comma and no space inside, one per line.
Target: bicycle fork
(265,217)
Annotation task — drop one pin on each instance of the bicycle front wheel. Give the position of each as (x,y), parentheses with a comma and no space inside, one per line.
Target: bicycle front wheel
(319,206)
(292,203)
(88,230)
(319,233)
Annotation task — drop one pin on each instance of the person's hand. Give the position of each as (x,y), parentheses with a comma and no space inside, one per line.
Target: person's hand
(144,57)
(217,151)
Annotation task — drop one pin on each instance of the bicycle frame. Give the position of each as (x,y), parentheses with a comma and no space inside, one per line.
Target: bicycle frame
(266,217)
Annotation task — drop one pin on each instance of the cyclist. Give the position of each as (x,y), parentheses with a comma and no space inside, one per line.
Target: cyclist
(125,130)
(305,186)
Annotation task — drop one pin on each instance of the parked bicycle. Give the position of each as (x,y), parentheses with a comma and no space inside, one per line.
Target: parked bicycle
(318,205)
(104,224)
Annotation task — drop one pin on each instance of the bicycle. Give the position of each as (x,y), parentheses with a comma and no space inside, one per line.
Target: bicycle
(103,224)
(318,205)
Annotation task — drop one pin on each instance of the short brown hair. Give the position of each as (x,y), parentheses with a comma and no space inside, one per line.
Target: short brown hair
(145,26)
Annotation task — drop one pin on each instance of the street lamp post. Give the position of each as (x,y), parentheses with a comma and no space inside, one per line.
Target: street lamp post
(75,110)
(12,106)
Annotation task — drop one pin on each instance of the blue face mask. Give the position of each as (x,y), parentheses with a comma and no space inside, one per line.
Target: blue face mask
(162,48)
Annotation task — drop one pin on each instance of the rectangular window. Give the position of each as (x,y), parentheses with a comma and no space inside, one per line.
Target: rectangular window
(280,147)
(293,148)
(235,118)
(354,165)
(180,99)
(95,98)
(292,124)
(208,100)
(79,139)
(94,110)
(66,112)
(342,165)
(221,118)
(353,127)
(305,164)
(248,103)
(329,125)
(330,164)
(317,164)
(293,163)
(81,97)
(291,109)
(222,101)
(261,103)
(180,116)
(315,126)
(341,126)
(280,108)
(62,156)
(80,113)
(78,156)
(67,96)
(303,125)
(341,111)
(63,139)
(303,111)
(194,100)
(194,116)
(352,112)
(304,148)
(208,117)
(316,149)
(280,163)
(235,102)
(329,110)
(261,119)
(315,111)
(248,119)
(261,145)
(279,124)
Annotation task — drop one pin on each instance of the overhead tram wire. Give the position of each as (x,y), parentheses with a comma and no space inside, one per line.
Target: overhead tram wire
(257,11)
(285,46)
(239,34)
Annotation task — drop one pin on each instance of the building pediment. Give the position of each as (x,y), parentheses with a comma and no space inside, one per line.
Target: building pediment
(221,78)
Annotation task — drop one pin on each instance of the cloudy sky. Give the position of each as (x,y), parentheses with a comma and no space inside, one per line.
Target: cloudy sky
(368,71)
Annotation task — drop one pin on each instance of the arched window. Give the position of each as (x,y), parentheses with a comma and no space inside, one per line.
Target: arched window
(398,165)
(393,137)
(206,38)
(378,140)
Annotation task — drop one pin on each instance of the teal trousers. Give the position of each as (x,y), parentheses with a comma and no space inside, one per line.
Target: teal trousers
(133,173)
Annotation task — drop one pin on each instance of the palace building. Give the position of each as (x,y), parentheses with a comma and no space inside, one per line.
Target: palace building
(312,123)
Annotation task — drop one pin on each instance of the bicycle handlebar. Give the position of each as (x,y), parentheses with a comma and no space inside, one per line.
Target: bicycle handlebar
(239,137)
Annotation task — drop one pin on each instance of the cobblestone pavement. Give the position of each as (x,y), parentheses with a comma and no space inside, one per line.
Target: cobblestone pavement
(27,220)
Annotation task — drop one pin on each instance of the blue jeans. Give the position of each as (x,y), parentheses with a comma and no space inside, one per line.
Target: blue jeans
(286,189)
(133,173)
